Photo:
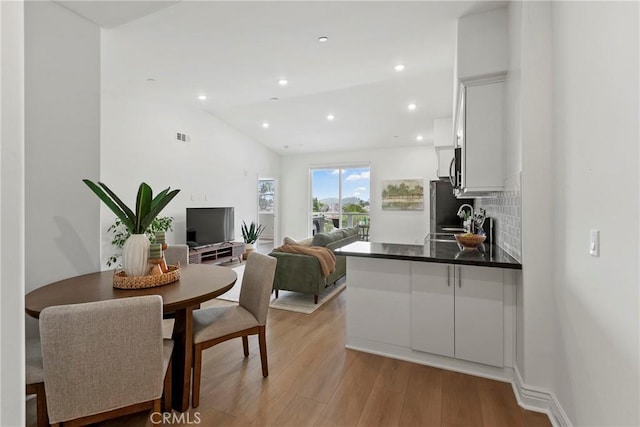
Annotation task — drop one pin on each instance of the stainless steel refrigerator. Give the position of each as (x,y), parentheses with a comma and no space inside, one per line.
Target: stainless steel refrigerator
(444,206)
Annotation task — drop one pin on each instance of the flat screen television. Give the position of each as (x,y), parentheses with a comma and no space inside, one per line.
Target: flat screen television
(209,226)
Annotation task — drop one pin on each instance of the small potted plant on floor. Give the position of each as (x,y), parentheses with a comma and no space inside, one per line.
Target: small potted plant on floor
(250,234)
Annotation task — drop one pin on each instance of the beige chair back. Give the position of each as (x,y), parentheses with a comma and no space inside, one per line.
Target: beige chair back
(175,254)
(257,283)
(101,356)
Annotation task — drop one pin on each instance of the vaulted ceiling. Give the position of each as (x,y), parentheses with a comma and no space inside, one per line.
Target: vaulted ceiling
(235,53)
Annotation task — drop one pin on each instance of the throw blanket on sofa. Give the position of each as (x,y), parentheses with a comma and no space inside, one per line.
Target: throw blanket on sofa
(325,256)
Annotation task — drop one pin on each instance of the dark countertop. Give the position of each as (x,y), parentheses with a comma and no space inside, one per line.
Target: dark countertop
(442,252)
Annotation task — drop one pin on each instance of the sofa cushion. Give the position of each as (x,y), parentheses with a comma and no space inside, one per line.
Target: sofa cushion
(323,239)
(303,242)
(352,231)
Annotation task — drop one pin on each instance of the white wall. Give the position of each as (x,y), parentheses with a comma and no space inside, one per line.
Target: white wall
(12,406)
(386,164)
(62,82)
(219,167)
(596,162)
(62,72)
(482,44)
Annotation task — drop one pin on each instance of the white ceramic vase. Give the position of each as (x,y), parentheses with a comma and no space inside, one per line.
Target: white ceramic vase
(135,255)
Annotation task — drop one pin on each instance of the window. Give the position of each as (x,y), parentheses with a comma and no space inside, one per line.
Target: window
(339,197)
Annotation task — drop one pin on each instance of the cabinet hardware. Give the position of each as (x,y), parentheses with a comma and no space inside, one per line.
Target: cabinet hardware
(459,277)
(451,179)
(448,276)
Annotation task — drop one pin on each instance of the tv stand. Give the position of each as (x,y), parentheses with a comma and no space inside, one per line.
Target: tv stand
(216,254)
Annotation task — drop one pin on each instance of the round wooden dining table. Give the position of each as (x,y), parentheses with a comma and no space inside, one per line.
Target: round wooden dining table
(198,283)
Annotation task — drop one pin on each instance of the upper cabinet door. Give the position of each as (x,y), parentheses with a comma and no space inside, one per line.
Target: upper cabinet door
(482,150)
(481,63)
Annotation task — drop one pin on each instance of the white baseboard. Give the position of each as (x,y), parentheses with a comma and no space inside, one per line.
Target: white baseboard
(539,400)
(448,363)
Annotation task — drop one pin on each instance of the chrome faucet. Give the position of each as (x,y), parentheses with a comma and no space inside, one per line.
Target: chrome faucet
(468,227)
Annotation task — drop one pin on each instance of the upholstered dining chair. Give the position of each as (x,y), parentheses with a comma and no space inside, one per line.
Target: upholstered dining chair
(35,379)
(214,325)
(104,359)
(175,254)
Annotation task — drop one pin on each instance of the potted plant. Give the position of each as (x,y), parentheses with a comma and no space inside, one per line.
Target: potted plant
(135,250)
(121,234)
(250,234)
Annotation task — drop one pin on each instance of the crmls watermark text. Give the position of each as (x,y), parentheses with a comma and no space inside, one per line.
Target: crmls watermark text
(175,418)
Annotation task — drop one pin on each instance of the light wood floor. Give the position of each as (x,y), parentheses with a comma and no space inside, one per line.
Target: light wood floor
(315,381)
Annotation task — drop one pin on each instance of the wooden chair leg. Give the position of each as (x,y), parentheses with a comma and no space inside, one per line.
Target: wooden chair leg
(245,345)
(315,299)
(197,371)
(276,293)
(167,388)
(262,338)
(156,410)
(42,416)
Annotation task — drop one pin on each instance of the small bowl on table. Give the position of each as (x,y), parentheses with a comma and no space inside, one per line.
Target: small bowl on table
(470,241)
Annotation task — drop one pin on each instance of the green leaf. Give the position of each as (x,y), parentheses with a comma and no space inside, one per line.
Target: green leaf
(120,203)
(107,201)
(251,233)
(147,208)
(155,210)
(161,195)
(143,206)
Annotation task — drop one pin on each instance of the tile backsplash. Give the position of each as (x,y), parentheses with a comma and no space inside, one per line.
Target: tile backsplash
(505,209)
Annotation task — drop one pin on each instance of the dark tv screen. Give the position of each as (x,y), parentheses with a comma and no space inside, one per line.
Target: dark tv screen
(209,226)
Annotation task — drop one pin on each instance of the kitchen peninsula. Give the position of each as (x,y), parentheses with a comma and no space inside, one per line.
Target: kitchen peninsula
(435,304)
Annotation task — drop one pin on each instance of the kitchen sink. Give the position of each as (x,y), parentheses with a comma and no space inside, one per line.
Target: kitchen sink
(440,237)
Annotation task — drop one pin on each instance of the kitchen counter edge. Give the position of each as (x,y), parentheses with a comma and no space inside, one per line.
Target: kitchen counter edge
(437,252)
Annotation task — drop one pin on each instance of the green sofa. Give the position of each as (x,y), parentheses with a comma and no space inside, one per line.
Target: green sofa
(301,273)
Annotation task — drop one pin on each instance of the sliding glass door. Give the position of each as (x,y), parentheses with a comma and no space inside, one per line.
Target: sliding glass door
(339,197)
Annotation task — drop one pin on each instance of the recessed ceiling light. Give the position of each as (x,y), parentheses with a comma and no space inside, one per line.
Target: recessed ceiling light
(202,97)
(412,107)
(265,125)
(285,147)
(323,39)
(283,82)
(150,79)
(399,67)
(419,138)
(274,99)
(330,117)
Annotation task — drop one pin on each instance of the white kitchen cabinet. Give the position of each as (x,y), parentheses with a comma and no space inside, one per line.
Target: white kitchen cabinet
(378,306)
(479,315)
(481,64)
(443,133)
(457,311)
(480,129)
(432,311)
(443,143)
(445,155)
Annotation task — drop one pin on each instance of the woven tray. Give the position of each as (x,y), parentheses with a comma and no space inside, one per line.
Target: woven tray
(122,281)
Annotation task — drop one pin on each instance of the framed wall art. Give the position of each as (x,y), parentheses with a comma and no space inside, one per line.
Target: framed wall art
(403,195)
